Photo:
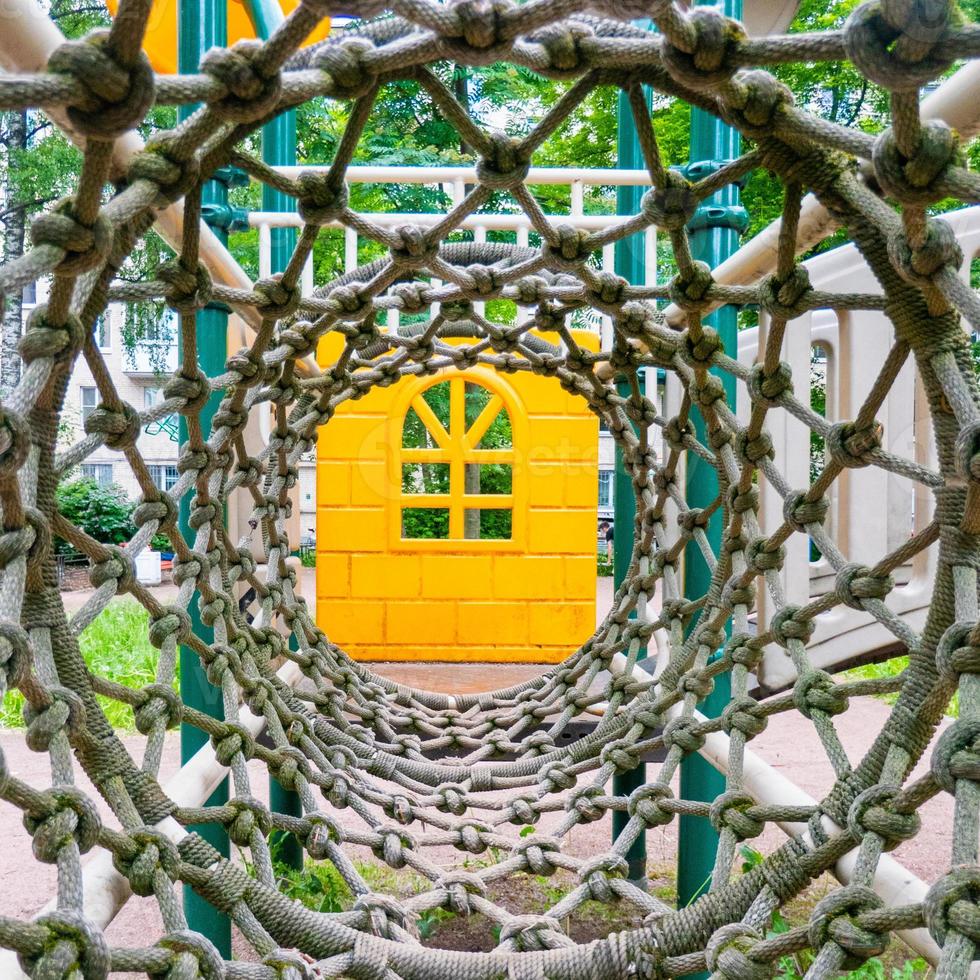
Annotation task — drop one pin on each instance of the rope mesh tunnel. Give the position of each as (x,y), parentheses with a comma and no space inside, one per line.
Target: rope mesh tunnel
(399,770)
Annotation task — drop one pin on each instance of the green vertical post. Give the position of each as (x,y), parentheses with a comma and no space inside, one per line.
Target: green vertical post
(714,234)
(279,149)
(202,25)
(630,265)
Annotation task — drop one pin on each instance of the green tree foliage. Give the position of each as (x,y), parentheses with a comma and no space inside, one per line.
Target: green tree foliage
(105,513)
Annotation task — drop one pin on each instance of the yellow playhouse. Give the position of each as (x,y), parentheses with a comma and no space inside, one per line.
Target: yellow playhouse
(456,518)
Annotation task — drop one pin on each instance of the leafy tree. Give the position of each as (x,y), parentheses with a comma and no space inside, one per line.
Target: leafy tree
(105,513)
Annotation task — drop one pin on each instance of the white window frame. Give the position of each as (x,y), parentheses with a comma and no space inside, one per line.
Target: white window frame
(605,481)
(86,410)
(101,470)
(103,332)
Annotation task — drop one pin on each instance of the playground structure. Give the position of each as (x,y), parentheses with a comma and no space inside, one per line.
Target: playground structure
(375,748)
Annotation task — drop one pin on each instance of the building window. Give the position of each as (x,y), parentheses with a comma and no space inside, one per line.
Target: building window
(164,476)
(457,464)
(100,472)
(605,489)
(102,331)
(90,399)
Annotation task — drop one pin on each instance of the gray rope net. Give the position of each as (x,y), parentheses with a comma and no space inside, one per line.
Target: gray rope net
(412,770)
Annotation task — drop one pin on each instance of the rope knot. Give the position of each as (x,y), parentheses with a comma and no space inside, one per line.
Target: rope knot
(691,292)
(15,438)
(753,450)
(536,850)
(64,816)
(787,298)
(731,810)
(702,350)
(65,712)
(277,299)
(194,955)
(584,802)
(159,708)
(319,198)
(898,57)
(459,885)
(798,512)
(953,903)
(681,732)
(161,164)
(855,583)
(234,738)
(194,389)
(744,715)
(756,102)
(741,648)
(563,43)
(815,690)
(252,90)
(554,778)
(643,803)
(16,659)
(791,623)
(729,953)
(121,427)
(73,947)
(571,250)
(917,179)
(506,166)
(150,854)
(958,651)
(188,290)
(921,265)
(708,56)
(413,249)
(957,754)
(837,919)
(707,390)
(671,205)
(248,817)
(391,844)
(531,933)
(621,755)
(597,872)
(348,66)
(109,98)
(852,447)
(608,292)
(873,811)
(173,621)
(480,23)
(118,567)
(85,246)
(381,911)
(322,831)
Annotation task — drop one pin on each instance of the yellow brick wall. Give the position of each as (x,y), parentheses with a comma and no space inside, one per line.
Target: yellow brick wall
(531,598)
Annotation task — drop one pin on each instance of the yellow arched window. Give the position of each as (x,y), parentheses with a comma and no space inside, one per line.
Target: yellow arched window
(457,466)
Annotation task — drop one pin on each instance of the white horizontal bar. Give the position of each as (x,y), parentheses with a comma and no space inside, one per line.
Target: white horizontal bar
(392,219)
(367,174)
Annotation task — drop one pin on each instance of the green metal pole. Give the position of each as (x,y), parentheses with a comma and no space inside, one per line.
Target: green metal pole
(202,25)
(714,236)
(279,149)
(631,266)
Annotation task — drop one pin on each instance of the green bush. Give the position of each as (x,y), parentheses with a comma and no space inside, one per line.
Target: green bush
(115,646)
(102,512)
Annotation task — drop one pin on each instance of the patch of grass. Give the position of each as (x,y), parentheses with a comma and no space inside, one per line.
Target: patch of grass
(896,963)
(892,668)
(115,646)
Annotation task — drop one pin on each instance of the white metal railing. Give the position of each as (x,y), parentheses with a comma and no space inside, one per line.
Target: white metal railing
(453,181)
(873,511)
